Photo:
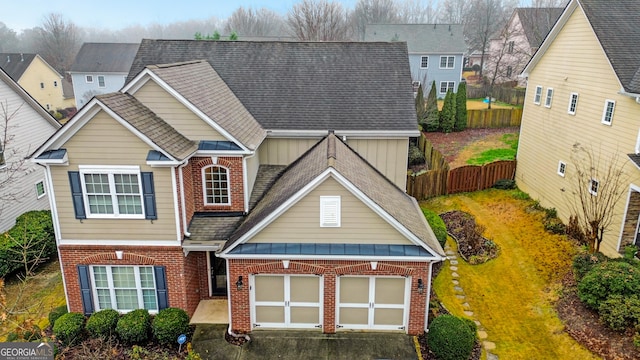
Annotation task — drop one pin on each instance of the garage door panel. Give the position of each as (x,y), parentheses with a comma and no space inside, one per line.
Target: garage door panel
(270,314)
(354,290)
(305,289)
(354,316)
(305,315)
(389,291)
(388,317)
(269,288)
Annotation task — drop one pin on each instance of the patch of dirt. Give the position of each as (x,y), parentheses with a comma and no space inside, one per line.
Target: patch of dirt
(458,147)
(473,247)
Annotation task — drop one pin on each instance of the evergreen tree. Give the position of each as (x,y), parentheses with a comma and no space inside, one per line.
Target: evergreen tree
(432,116)
(461,107)
(448,113)
(421,110)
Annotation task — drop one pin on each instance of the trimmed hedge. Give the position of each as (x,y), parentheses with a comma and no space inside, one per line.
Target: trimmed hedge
(56,313)
(437,225)
(34,226)
(584,262)
(450,338)
(134,327)
(169,324)
(68,328)
(607,279)
(103,323)
(620,312)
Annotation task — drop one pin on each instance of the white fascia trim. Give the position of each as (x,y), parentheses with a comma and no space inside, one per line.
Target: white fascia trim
(184,102)
(132,242)
(351,133)
(63,161)
(222,153)
(327,257)
(164,163)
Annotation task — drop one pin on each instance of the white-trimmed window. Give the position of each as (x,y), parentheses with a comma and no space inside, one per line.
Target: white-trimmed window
(607,112)
(573,103)
(41,85)
(88,79)
(446,86)
(447,62)
(509,71)
(112,192)
(215,180)
(55,83)
(40,190)
(562,168)
(548,98)
(124,288)
(424,62)
(101,81)
(593,186)
(538,95)
(510,47)
(329,211)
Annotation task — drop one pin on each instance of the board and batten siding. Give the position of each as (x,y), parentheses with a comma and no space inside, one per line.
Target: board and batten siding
(104,141)
(574,62)
(284,151)
(177,115)
(301,222)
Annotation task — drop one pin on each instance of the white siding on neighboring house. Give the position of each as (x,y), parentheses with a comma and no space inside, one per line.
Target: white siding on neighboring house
(85,91)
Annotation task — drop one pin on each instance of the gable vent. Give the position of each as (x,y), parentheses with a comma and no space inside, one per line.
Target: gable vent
(329,211)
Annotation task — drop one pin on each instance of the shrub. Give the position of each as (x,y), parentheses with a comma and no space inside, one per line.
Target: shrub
(619,312)
(574,231)
(68,327)
(33,230)
(450,338)
(103,323)
(134,327)
(630,252)
(12,336)
(584,262)
(169,324)
(416,157)
(56,313)
(437,225)
(505,184)
(607,279)
(461,107)
(32,333)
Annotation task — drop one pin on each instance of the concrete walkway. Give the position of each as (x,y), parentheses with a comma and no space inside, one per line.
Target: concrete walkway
(209,342)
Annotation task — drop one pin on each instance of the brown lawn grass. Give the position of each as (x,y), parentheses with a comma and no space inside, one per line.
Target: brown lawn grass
(477,104)
(513,295)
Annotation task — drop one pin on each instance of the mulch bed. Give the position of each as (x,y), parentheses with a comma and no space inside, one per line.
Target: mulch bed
(450,144)
(472,246)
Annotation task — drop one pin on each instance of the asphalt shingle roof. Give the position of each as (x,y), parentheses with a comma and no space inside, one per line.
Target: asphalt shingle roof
(105,57)
(149,124)
(304,85)
(15,64)
(421,38)
(537,22)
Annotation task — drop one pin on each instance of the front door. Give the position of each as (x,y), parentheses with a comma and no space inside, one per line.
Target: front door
(218,270)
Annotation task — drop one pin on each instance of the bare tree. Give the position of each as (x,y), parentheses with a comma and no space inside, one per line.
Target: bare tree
(453,11)
(250,22)
(318,20)
(507,55)
(599,183)
(8,39)
(417,12)
(12,162)
(372,12)
(59,42)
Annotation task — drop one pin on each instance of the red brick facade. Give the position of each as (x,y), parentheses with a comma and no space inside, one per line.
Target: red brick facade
(330,270)
(236,184)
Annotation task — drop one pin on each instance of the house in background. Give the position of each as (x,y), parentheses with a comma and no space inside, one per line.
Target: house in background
(584,87)
(436,52)
(512,48)
(100,68)
(231,171)
(24,125)
(38,78)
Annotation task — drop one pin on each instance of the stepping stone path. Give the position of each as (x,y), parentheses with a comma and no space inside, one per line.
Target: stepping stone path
(482,332)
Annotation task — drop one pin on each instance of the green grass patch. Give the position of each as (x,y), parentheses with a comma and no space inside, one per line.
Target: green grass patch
(506,153)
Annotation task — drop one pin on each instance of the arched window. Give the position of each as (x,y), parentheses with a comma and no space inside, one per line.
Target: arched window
(215,185)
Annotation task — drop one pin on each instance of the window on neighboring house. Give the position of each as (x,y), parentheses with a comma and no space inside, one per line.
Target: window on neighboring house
(424,62)
(55,84)
(510,47)
(48,107)
(573,103)
(101,81)
(446,86)
(593,186)
(447,62)
(41,85)
(2,160)
(538,95)
(547,100)
(124,288)
(40,192)
(216,185)
(562,168)
(509,71)
(329,211)
(415,85)
(113,192)
(89,78)
(607,113)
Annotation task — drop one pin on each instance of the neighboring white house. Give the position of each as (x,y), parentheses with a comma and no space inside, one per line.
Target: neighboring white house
(24,125)
(100,68)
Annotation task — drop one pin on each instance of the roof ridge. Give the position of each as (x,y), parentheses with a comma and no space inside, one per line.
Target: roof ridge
(176,64)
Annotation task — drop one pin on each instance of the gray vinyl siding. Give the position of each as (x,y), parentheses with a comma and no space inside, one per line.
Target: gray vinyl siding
(433,71)
(84,91)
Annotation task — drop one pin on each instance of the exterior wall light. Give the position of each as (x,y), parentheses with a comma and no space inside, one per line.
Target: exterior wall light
(420,286)
(239,283)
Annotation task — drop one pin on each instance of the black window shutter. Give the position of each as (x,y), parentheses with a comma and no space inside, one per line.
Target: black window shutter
(149,196)
(161,287)
(76,194)
(85,289)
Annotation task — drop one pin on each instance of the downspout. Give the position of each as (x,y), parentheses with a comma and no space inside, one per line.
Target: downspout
(229,331)
(182,202)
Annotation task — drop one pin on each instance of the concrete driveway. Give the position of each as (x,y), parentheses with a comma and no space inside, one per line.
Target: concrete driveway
(209,342)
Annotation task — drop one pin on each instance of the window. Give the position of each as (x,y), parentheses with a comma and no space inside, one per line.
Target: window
(447,62)
(40,192)
(216,185)
(607,113)
(89,79)
(562,168)
(2,161)
(509,71)
(112,192)
(124,288)
(593,186)
(446,86)
(637,150)
(538,96)
(55,84)
(329,211)
(510,47)
(48,106)
(573,103)
(41,85)
(424,62)
(547,100)
(101,81)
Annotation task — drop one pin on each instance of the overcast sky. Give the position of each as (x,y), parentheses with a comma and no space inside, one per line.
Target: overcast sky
(117,14)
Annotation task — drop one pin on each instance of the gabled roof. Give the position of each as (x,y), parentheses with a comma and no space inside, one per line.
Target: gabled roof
(536,23)
(199,84)
(104,58)
(304,85)
(331,154)
(421,38)
(15,64)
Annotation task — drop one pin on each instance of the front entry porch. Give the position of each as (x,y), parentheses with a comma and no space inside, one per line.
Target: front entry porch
(212,311)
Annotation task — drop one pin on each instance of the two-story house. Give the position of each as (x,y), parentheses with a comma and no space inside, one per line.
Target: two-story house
(584,88)
(271,174)
(100,68)
(24,125)
(38,78)
(436,52)
(514,45)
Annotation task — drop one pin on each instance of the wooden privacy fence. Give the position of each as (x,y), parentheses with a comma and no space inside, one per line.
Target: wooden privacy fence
(494,118)
(474,178)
